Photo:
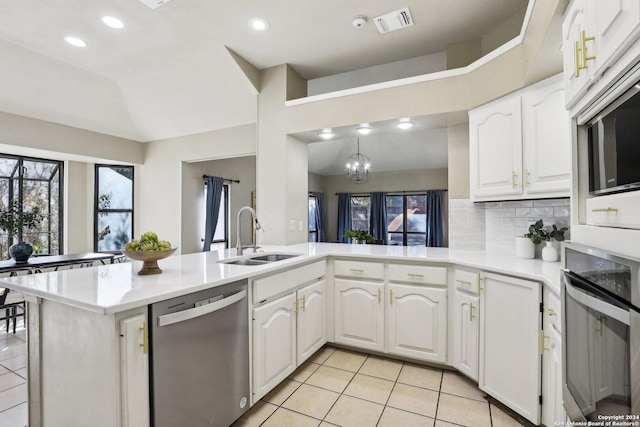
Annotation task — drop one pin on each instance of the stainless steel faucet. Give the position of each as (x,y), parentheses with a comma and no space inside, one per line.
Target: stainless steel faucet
(256,227)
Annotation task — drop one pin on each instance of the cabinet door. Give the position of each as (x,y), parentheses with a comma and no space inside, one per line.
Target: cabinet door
(359,313)
(552,409)
(466,327)
(495,149)
(274,344)
(134,371)
(615,24)
(575,80)
(417,322)
(311,333)
(547,141)
(509,343)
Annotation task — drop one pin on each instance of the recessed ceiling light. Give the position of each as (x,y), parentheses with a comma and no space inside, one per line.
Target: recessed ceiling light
(326,134)
(258,24)
(364,129)
(113,22)
(74,41)
(405,124)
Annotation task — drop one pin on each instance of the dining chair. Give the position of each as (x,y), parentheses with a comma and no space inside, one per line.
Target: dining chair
(14,307)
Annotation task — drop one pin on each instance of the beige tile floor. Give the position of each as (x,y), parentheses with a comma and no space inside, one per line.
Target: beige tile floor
(336,387)
(13,377)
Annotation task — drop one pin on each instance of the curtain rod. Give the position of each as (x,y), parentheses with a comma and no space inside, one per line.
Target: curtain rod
(394,192)
(237,181)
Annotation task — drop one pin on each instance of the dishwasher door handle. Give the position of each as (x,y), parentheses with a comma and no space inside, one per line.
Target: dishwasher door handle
(181,316)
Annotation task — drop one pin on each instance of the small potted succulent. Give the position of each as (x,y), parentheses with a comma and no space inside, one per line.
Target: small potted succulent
(358,236)
(14,220)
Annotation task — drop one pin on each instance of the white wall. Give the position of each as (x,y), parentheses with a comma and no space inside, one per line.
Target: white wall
(193,200)
(161,174)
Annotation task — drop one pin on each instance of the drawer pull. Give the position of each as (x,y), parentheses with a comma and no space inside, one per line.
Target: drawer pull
(419,276)
(379,296)
(542,338)
(471,316)
(550,311)
(356,270)
(464,282)
(295,308)
(145,342)
(304,303)
(514,175)
(390,296)
(480,288)
(586,57)
(607,209)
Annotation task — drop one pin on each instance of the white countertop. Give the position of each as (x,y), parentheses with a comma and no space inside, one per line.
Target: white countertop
(114,288)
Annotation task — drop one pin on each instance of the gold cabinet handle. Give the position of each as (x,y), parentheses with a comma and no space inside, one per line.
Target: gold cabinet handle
(576,58)
(304,303)
(379,296)
(550,311)
(419,276)
(542,338)
(390,296)
(585,57)
(471,316)
(607,209)
(480,288)
(356,270)
(600,325)
(526,181)
(464,282)
(295,308)
(145,340)
(514,175)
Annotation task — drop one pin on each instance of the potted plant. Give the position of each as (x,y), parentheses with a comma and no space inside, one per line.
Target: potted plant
(538,234)
(358,236)
(14,220)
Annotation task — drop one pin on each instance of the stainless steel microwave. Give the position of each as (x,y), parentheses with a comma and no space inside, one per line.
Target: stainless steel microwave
(614,145)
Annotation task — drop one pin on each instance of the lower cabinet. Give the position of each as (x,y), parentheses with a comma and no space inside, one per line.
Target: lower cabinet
(466,329)
(417,322)
(510,324)
(134,371)
(286,332)
(359,313)
(552,409)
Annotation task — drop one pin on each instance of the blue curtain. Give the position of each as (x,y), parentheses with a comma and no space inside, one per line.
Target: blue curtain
(214,194)
(378,216)
(320,216)
(344,215)
(435,218)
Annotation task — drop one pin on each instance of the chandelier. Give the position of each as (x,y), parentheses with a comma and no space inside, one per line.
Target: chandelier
(357,167)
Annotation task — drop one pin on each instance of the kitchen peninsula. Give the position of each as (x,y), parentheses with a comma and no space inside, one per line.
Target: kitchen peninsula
(84,368)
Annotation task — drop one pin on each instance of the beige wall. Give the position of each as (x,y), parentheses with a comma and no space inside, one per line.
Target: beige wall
(429,179)
(458,156)
(193,200)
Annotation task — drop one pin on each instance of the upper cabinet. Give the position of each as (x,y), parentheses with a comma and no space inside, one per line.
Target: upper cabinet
(595,34)
(520,145)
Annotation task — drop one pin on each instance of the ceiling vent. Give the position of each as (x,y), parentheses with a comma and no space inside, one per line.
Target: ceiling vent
(154,3)
(396,20)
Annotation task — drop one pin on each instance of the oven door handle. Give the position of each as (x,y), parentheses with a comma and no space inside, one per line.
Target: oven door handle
(599,305)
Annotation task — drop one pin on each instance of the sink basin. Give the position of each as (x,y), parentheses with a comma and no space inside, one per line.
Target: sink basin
(273,257)
(246,261)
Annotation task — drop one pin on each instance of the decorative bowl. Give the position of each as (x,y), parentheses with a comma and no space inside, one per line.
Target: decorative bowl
(149,259)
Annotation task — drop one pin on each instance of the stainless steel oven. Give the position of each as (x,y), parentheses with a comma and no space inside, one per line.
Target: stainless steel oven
(601,335)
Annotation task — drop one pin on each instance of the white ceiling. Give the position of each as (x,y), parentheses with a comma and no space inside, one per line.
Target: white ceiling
(168,73)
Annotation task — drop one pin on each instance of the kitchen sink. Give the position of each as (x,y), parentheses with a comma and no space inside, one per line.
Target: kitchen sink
(259,259)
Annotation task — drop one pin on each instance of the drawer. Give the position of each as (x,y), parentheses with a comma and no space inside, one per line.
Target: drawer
(551,308)
(266,287)
(359,269)
(418,274)
(467,280)
(616,210)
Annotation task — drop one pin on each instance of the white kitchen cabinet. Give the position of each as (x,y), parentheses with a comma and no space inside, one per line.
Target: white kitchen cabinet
(466,329)
(495,148)
(551,342)
(311,324)
(134,371)
(359,313)
(595,34)
(509,362)
(417,322)
(519,145)
(274,343)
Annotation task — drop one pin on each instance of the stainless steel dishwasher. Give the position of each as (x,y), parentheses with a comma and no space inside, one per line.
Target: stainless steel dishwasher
(200,358)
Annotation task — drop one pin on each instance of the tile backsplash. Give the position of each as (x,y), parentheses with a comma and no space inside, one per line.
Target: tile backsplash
(493,225)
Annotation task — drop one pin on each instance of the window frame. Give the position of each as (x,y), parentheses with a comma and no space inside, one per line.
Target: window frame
(368,216)
(404,231)
(97,210)
(315,231)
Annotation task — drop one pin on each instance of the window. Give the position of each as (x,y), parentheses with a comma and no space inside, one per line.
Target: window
(33,182)
(409,229)
(313,225)
(220,239)
(360,211)
(113,207)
